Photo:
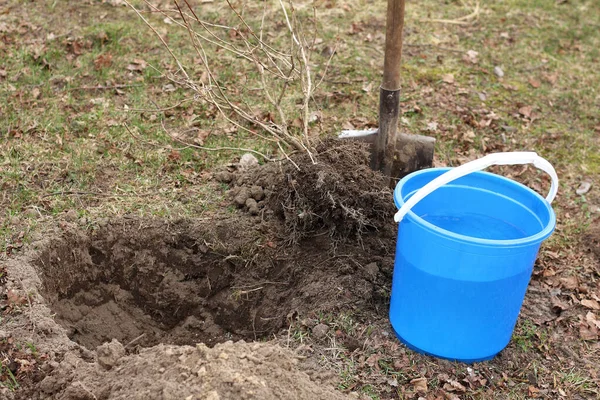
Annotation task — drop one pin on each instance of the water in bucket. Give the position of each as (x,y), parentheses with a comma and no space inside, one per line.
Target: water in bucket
(467,242)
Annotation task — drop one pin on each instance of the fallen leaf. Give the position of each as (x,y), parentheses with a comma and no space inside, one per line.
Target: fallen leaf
(3,73)
(534,83)
(448,78)
(169,87)
(137,65)
(558,306)
(471,56)
(468,136)
(174,155)
(35,93)
(593,304)
(76,48)
(584,187)
(420,385)
(591,318)
(533,391)
(432,126)
(569,282)
(201,137)
(588,332)
(526,111)
(347,126)
(368,87)
(14,299)
(103,61)
(453,386)
(551,78)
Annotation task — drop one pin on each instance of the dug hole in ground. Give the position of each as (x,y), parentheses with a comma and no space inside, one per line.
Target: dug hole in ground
(202,309)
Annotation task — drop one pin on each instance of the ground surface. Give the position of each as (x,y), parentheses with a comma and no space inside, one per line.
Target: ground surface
(113,229)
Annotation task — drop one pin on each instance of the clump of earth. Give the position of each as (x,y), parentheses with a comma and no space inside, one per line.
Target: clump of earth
(159,309)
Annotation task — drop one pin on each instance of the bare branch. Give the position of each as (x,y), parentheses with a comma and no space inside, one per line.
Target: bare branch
(160,37)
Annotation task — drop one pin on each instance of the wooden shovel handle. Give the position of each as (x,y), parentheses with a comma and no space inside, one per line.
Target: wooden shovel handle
(393,45)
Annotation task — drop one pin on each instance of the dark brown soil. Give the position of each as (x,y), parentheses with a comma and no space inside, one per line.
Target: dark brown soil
(199,281)
(336,195)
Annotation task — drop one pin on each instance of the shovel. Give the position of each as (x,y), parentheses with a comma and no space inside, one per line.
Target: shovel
(394,154)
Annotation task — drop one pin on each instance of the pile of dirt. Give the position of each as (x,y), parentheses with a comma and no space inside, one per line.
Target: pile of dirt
(336,195)
(227,371)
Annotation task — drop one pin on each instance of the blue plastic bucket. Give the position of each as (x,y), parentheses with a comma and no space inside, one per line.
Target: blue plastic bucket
(464,257)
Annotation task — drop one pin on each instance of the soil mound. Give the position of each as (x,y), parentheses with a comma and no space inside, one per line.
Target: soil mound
(227,371)
(337,195)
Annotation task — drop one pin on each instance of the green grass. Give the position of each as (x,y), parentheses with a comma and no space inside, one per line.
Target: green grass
(65,145)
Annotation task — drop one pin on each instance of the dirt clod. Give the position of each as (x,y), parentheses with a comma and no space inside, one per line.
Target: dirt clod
(248,161)
(224,176)
(109,353)
(242,196)
(252,206)
(257,193)
(319,331)
(71,216)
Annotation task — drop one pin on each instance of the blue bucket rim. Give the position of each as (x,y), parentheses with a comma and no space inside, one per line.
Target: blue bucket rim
(537,238)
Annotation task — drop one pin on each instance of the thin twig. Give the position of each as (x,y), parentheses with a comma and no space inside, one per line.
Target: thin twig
(460,20)
(73,192)
(158,109)
(307,78)
(101,87)
(267,158)
(160,37)
(135,340)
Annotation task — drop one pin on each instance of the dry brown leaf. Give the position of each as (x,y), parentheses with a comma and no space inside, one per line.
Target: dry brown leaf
(201,137)
(14,299)
(174,155)
(558,305)
(588,332)
(420,385)
(551,78)
(347,125)
(453,386)
(569,282)
(471,56)
(448,78)
(526,111)
(137,65)
(533,391)
(534,83)
(103,61)
(593,304)
(553,255)
(591,318)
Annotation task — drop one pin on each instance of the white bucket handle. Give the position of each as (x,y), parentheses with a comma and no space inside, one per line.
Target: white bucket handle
(509,158)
